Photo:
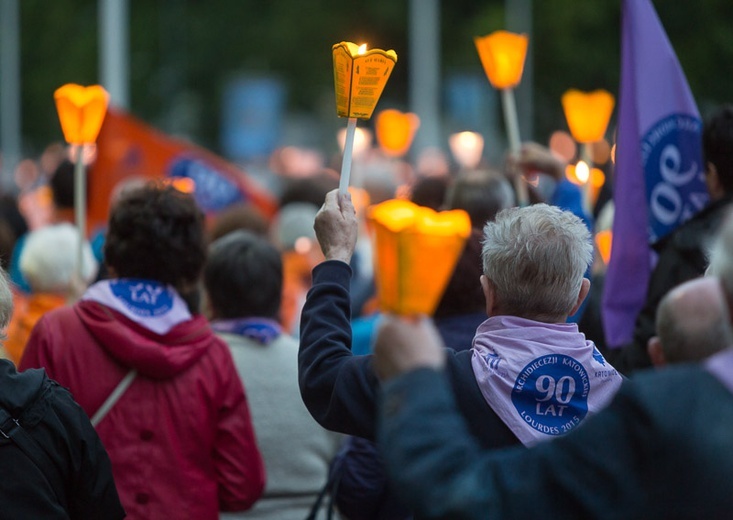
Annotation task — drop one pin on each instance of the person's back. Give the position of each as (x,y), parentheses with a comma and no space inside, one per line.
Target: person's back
(243,281)
(53,462)
(179,437)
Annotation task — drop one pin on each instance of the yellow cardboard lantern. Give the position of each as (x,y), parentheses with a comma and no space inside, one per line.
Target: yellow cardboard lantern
(416,250)
(588,113)
(502,55)
(395,131)
(360,76)
(81,111)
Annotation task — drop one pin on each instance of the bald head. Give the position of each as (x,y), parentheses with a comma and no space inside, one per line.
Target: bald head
(692,323)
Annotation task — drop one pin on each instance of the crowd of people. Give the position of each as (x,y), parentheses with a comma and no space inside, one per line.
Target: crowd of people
(237,365)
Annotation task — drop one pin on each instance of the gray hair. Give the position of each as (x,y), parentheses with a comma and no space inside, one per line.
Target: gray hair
(6,302)
(535,257)
(721,255)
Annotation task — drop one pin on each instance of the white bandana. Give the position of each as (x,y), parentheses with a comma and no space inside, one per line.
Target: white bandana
(148,303)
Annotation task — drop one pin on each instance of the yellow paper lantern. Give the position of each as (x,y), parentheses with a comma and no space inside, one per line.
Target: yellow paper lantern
(502,55)
(588,113)
(604,242)
(81,111)
(360,76)
(416,250)
(395,131)
(594,178)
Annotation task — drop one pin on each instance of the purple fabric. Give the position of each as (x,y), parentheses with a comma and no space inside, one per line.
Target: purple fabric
(659,177)
(721,366)
(541,379)
(261,330)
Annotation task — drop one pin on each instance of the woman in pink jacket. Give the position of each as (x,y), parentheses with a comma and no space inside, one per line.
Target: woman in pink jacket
(180,436)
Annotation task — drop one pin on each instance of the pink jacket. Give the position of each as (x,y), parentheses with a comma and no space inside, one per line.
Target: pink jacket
(180,439)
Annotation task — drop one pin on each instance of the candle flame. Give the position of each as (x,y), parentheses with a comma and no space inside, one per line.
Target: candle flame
(582,172)
(362,48)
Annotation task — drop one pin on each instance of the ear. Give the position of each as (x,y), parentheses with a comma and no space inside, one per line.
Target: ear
(488,289)
(655,351)
(584,290)
(712,181)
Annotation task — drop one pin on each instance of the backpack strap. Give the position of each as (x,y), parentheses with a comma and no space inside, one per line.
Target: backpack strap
(11,429)
(112,399)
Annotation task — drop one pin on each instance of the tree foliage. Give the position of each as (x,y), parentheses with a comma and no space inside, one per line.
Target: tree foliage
(182,52)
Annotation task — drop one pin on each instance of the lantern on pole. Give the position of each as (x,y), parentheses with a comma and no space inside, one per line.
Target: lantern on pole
(395,131)
(360,76)
(587,114)
(466,148)
(81,113)
(416,251)
(502,55)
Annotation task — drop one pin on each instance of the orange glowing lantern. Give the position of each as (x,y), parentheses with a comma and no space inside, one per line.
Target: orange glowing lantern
(416,250)
(604,241)
(360,76)
(588,113)
(81,112)
(395,131)
(588,178)
(502,55)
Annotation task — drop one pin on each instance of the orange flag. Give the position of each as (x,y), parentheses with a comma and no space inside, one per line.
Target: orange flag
(128,148)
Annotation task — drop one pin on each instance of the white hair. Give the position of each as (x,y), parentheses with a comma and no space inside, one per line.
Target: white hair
(49,257)
(535,257)
(721,255)
(6,301)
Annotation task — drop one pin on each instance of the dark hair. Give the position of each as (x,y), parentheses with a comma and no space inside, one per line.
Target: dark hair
(463,294)
(156,232)
(717,145)
(482,194)
(430,192)
(243,277)
(62,185)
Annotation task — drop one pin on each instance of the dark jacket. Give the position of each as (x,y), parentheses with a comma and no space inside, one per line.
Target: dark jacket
(340,390)
(682,257)
(48,413)
(662,449)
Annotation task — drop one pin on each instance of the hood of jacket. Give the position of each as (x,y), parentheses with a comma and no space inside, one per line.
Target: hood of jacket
(159,356)
(18,389)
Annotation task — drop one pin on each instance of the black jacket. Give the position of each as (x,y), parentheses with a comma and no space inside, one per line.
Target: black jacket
(683,256)
(51,417)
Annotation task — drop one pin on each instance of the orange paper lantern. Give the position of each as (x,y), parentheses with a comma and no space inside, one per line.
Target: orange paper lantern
(502,54)
(360,76)
(588,113)
(395,131)
(81,111)
(416,250)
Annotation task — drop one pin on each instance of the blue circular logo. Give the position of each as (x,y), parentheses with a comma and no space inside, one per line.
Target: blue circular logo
(143,297)
(213,191)
(551,394)
(674,173)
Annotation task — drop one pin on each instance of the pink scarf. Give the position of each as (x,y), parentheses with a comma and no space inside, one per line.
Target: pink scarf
(541,379)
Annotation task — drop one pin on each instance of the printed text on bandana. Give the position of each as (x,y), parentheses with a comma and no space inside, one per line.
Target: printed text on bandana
(143,298)
(551,394)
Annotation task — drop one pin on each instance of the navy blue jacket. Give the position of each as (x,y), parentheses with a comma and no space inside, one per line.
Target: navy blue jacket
(341,390)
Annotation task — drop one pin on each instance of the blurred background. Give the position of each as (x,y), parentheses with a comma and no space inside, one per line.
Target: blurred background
(245,77)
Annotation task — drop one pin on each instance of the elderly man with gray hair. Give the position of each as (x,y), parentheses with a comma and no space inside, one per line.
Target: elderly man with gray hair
(661,449)
(529,377)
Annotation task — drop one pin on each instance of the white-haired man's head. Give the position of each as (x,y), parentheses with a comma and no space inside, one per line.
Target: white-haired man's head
(534,261)
(49,257)
(6,302)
